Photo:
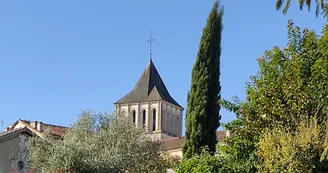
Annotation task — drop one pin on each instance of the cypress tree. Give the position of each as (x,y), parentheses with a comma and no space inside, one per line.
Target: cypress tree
(203,117)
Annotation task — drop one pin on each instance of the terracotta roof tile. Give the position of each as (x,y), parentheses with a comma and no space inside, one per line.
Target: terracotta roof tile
(54,129)
(177,142)
(173,143)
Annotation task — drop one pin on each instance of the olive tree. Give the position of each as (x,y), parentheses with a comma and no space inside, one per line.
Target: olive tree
(97,142)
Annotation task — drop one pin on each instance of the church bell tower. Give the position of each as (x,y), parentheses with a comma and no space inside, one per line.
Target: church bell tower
(151,106)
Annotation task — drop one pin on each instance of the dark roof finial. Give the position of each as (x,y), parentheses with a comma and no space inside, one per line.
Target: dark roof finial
(150,40)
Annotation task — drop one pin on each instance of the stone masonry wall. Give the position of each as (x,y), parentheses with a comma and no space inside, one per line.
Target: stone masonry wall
(13,155)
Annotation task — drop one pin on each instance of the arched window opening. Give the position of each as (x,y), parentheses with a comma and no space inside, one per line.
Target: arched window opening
(154,119)
(134,116)
(20,165)
(144,118)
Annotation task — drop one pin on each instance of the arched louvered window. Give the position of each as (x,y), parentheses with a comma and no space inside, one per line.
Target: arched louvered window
(154,119)
(134,116)
(144,118)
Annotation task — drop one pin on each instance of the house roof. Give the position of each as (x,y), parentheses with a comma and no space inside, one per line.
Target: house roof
(10,134)
(177,142)
(150,87)
(53,129)
(18,130)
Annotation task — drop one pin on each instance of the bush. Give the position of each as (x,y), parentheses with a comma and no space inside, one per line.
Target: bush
(284,151)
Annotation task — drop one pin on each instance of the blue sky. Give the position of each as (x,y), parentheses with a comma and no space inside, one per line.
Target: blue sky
(60,57)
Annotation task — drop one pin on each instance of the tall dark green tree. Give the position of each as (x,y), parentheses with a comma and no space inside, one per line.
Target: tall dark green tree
(203,118)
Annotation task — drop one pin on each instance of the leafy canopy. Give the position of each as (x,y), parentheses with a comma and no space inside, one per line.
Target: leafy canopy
(206,162)
(281,150)
(291,83)
(290,87)
(97,143)
(319,5)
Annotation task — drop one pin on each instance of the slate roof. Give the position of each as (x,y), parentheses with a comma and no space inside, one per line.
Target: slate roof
(150,87)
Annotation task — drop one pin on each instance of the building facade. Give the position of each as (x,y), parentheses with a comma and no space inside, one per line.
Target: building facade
(13,155)
(13,148)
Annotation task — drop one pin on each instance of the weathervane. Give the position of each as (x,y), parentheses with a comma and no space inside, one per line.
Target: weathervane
(150,40)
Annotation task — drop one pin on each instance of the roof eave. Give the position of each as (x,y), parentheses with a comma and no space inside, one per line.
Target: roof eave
(14,133)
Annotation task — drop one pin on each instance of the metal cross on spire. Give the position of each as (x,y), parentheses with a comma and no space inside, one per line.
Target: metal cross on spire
(150,40)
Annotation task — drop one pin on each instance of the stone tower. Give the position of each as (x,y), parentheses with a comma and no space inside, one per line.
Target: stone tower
(151,106)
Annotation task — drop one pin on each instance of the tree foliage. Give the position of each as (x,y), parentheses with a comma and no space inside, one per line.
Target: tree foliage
(202,117)
(283,151)
(171,161)
(289,88)
(319,5)
(240,151)
(291,83)
(240,147)
(206,162)
(202,163)
(236,154)
(97,143)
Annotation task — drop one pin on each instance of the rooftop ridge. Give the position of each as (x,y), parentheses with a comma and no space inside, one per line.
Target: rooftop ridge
(47,124)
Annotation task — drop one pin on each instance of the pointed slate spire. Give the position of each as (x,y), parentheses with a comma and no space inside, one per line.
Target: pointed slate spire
(150,87)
